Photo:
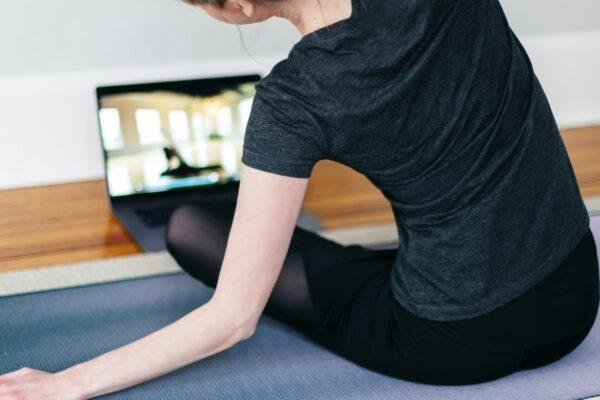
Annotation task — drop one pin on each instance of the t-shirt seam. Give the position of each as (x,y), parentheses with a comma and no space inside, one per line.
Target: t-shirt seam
(317,139)
(351,24)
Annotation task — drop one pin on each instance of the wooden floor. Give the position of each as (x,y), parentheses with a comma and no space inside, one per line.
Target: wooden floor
(72,222)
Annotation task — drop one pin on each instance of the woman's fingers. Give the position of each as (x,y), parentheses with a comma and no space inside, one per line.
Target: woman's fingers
(9,381)
(31,384)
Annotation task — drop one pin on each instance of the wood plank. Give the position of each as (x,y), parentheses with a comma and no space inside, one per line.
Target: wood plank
(73,222)
(583,146)
(56,224)
(69,256)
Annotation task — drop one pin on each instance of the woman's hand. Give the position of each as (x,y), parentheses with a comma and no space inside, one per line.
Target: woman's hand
(31,384)
(266,213)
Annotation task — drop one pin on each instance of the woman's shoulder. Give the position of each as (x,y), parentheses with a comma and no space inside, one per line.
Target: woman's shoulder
(286,81)
(279,74)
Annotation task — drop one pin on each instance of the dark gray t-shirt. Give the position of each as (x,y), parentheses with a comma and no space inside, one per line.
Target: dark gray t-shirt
(437,104)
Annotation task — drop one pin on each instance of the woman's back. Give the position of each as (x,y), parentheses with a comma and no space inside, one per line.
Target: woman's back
(437,104)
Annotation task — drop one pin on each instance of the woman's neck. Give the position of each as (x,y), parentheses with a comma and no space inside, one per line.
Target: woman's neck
(309,15)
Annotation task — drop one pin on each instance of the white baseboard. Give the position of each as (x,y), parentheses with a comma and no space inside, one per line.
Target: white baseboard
(48,127)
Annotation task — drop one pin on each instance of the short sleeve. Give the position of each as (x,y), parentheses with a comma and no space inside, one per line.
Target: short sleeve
(281,135)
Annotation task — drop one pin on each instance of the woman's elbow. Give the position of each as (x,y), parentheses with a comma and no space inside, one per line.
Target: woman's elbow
(240,323)
(243,325)
(247,331)
(240,330)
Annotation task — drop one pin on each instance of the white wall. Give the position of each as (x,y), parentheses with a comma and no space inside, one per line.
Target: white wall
(53,54)
(538,17)
(40,36)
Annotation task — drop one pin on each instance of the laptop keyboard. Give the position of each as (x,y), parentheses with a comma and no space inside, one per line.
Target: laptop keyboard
(155,216)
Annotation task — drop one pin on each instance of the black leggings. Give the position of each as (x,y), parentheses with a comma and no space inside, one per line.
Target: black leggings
(340,297)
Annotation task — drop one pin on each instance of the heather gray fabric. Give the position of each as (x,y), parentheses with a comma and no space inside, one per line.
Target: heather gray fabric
(53,330)
(437,104)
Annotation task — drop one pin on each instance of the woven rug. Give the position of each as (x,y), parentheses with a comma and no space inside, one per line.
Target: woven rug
(593,204)
(153,264)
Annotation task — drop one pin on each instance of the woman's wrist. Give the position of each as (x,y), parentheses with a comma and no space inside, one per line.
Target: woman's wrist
(72,384)
(153,355)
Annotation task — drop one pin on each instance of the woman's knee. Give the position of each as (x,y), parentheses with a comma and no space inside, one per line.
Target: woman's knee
(196,237)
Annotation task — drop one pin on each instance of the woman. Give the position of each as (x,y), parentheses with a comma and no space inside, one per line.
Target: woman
(435,102)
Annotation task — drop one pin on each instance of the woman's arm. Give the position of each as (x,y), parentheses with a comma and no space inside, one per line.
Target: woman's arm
(266,213)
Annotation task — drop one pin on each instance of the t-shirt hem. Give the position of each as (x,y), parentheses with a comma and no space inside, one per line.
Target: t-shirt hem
(441,313)
(279,167)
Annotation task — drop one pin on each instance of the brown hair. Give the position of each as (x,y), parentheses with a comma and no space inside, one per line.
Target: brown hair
(214,3)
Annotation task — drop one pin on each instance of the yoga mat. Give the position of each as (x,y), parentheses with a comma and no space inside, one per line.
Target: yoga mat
(54,329)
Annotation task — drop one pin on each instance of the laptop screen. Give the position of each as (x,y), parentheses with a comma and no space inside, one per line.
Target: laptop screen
(170,135)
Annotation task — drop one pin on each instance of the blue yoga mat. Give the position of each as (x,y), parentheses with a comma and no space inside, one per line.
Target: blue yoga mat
(55,329)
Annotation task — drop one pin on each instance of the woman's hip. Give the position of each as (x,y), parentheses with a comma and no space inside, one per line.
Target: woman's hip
(361,320)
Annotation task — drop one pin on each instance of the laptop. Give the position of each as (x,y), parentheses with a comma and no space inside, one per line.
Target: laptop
(171,143)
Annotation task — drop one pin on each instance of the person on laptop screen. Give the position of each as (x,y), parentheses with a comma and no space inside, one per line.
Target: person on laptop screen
(156,134)
(437,104)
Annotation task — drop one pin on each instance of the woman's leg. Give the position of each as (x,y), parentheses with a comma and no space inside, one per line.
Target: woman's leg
(197,236)
(340,297)
(580,280)
(542,355)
